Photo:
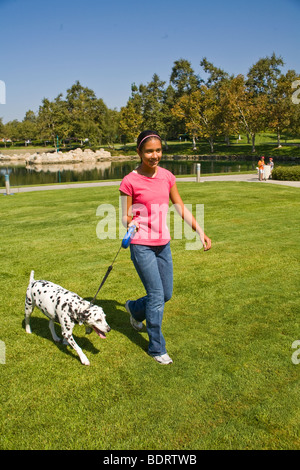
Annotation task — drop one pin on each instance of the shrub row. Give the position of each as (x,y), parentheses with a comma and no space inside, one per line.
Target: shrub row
(291,173)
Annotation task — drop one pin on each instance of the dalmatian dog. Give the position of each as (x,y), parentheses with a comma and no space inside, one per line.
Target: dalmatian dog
(65,307)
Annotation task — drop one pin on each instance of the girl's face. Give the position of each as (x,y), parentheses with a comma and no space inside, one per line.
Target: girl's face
(151,153)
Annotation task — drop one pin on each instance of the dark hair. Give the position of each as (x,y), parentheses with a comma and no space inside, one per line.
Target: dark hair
(144,136)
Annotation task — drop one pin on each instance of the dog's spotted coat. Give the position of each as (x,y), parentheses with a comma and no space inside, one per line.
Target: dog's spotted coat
(65,307)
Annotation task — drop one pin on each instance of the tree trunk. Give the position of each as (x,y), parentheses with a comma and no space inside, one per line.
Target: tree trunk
(211,143)
(194,143)
(253,142)
(278,138)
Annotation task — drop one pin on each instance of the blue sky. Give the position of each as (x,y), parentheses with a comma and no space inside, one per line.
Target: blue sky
(45,46)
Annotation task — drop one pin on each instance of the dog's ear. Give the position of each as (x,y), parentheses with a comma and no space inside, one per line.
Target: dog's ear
(83,316)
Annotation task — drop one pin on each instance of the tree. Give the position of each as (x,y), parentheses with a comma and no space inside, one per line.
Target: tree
(295,119)
(263,76)
(152,97)
(282,110)
(171,124)
(29,126)
(1,127)
(252,109)
(144,109)
(201,114)
(265,79)
(229,113)
(216,75)
(183,78)
(111,127)
(220,80)
(86,113)
(13,130)
(3,132)
(53,119)
(261,84)
(130,122)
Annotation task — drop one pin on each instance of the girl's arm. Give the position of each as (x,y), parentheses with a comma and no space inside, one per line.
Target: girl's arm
(127,211)
(188,217)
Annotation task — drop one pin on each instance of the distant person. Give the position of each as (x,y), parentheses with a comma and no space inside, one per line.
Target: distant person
(261,167)
(271,163)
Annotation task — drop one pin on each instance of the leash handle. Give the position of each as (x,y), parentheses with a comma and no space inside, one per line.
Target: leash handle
(129,236)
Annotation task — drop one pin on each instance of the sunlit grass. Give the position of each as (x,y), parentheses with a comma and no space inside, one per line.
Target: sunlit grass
(229,328)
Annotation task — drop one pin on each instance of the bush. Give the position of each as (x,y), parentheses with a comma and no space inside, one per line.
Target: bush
(291,173)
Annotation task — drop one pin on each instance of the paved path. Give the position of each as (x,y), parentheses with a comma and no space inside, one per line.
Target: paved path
(249,178)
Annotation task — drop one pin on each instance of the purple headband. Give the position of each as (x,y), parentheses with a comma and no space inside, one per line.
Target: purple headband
(147,137)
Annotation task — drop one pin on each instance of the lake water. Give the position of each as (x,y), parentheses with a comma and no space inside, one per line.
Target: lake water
(47,174)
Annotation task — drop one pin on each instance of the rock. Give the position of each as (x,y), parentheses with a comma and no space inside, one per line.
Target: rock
(73,156)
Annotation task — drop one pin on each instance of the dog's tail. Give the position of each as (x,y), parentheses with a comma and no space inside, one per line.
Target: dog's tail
(31,280)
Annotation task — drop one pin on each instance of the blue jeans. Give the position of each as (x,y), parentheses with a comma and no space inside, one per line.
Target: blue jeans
(155,268)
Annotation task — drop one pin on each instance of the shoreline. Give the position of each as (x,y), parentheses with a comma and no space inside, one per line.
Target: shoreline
(244,178)
(89,156)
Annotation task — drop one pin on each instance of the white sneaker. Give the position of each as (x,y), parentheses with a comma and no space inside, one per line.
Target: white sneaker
(164,359)
(137,325)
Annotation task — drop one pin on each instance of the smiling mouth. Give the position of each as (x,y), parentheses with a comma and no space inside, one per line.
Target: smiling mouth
(99,333)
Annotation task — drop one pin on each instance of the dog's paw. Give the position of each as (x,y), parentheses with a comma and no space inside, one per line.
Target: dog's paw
(84,360)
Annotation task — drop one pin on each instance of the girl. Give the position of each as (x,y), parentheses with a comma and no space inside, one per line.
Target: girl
(145,201)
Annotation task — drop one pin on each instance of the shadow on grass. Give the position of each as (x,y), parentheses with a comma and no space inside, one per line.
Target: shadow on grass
(40,327)
(117,318)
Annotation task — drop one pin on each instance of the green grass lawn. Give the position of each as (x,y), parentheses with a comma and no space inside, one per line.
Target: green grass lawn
(229,328)
(265,144)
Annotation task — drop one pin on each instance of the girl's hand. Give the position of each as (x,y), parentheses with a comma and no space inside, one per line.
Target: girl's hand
(134,222)
(188,217)
(206,242)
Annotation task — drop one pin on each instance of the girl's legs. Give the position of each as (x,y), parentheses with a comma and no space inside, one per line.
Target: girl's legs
(155,268)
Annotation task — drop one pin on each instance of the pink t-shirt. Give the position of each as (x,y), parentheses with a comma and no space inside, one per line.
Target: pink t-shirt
(150,205)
